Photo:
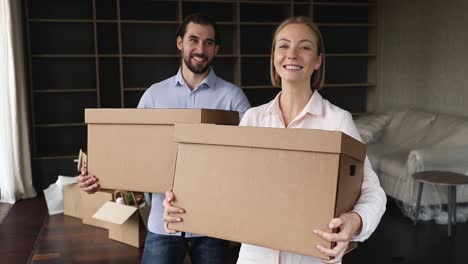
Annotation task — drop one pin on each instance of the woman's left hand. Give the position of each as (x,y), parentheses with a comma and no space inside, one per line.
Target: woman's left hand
(349,225)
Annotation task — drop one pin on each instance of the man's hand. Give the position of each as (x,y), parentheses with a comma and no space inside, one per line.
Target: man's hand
(171,213)
(88,183)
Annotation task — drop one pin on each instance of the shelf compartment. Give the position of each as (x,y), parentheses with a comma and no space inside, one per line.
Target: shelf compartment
(221,11)
(224,68)
(63,73)
(132,97)
(107,38)
(352,99)
(61,38)
(264,12)
(339,70)
(79,9)
(109,83)
(228,39)
(341,14)
(106,9)
(142,72)
(47,169)
(256,39)
(149,38)
(56,141)
(62,107)
(260,96)
(255,71)
(333,39)
(148,10)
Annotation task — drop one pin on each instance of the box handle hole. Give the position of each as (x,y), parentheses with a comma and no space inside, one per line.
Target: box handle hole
(352,170)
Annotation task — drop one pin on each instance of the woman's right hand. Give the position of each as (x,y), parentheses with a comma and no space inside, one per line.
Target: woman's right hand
(171,213)
(88,183)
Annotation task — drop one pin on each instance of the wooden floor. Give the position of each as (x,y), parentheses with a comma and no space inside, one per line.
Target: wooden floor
(29,235)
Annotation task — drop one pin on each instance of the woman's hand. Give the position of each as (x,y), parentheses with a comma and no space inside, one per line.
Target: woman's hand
(88,183)
(349,225)
(171,213)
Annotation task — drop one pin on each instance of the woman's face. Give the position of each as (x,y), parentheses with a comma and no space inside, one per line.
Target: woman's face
(295,55)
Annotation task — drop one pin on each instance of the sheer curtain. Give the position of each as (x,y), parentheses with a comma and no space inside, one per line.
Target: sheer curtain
(15,163)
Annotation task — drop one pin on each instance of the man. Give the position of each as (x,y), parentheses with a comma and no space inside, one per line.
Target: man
(194,86)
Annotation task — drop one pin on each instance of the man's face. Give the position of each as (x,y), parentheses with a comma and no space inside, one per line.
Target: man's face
(198,47)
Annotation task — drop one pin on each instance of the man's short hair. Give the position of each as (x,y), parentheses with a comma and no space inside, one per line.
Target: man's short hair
(201,19)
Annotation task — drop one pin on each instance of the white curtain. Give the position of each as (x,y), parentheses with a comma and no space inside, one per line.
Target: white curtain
(15,162)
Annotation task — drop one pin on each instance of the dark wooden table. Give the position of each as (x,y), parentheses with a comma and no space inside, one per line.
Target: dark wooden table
(65,239)
(443,178)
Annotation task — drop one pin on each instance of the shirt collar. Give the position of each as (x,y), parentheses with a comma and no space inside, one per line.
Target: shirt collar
(210,79)
(313,107)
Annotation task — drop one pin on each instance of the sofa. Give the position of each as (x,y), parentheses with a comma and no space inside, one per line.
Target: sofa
(402,142)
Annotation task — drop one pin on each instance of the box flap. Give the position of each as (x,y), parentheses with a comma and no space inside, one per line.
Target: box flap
(159,116)
(272,138)
(114,213)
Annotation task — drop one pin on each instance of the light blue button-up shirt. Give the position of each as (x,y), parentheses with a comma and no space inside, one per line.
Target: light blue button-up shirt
(211,93)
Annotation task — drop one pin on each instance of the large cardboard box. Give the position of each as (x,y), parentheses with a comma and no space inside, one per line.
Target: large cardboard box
(72,200)
(265,186)
(90,203)
(132,149)
(127,224)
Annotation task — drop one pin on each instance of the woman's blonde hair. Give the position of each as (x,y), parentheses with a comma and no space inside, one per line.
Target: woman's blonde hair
(318,76)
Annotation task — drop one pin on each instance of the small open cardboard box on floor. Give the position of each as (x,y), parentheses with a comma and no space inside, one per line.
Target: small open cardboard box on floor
(133,149)
(265,186)
(126,224)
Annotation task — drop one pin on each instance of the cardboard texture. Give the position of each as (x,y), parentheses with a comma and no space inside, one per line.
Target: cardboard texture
(72,200)
(127,224)
(91,203)
(265,186)
(132,149)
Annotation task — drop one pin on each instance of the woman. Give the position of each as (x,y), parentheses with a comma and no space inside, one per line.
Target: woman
(297,66)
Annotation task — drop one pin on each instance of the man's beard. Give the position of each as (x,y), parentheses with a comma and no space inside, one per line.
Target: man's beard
(195,69)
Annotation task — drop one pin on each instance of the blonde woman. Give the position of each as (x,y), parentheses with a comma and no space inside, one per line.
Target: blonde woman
(298,66)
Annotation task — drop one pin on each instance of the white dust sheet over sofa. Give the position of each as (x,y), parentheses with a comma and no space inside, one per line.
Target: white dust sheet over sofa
(402,142)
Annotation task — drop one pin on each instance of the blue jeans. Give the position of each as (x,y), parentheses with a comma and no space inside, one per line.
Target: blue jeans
(162,249)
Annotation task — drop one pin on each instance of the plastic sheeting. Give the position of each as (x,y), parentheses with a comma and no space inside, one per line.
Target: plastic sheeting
(54,194)
(412,141)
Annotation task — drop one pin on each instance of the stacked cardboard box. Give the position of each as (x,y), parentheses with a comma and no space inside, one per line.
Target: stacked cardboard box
(264,186)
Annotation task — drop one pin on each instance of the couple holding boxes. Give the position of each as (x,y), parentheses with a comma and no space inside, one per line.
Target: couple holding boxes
(297,66)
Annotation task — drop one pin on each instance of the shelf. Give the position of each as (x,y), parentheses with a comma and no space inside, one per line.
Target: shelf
(350,85)
(258,87)
(265,2)
(350,55)
(207,1)
(361,4)
(255,55)
(259,23)
(65,91)
(61,125)
(123,21)
(63,56)
(138,89)
(345,24)
(56,157)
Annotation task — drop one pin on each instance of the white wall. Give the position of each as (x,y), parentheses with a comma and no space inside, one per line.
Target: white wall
(424,55)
